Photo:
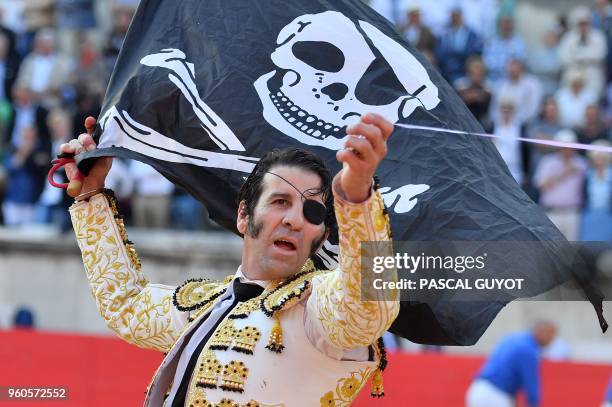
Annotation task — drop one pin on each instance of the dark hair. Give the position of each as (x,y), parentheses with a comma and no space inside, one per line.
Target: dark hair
(291,157)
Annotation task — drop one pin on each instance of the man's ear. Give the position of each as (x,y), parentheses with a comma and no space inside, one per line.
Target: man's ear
(242,219)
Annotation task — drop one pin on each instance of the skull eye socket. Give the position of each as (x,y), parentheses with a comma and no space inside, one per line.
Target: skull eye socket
(322,56)
(379,85)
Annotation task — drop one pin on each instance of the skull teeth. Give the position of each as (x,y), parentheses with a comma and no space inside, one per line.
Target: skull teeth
(301,119)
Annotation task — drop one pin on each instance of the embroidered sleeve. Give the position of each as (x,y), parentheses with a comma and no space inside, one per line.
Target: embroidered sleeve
(336,313)
(139,312)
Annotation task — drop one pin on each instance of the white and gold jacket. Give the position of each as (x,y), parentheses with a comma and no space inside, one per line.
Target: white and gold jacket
(262,353)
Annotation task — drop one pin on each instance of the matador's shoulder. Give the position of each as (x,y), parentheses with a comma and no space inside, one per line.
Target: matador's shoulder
(196,293)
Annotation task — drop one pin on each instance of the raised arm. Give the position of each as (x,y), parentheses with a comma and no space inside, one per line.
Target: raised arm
(139,312)
(336,313)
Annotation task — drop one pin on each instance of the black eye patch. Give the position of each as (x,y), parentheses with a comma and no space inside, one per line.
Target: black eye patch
(314,211)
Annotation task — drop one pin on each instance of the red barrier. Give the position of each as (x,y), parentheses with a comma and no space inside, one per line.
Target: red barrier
(103,371)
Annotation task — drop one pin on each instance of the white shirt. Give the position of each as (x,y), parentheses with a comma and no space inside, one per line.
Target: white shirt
(509,148)
(572,107)
(41,72)
(526,92)
(149,182)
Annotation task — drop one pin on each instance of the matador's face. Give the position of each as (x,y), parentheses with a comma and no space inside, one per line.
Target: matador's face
(279,240)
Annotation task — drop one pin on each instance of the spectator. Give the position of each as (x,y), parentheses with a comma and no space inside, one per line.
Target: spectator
(475,90)
(560,179)
(122,18)
(27,114)
(53,205)
(514,366)
(480,16)
(24,318)
(543,128)
(507,128)
(434,13)
(522,87)
(608,396)
(545,64)
(37,15)
(12,54)
(601,18)
(8,69)
(25,166)
(92,76)
(501,48)
(8,74)
(593,128)
(43,72)
(75,18)
(456,45)
(152,197)
(573,100)
(417,34)
(584,49)
(597,215)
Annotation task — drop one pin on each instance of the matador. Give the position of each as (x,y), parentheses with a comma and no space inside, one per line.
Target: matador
(278,332)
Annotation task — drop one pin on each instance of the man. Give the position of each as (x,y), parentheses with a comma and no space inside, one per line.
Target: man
(522,87)
(500,49)
(418,34)
(277,325)
(560,180)
(456,45)
(584,48)
(513,366)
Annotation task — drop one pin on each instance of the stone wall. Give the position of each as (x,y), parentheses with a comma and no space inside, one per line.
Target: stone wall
(44,271)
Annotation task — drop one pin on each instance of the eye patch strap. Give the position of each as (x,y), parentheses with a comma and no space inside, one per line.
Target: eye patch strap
(314,212)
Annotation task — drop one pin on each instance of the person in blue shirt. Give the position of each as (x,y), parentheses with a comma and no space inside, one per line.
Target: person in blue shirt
(608,397)
(514,366)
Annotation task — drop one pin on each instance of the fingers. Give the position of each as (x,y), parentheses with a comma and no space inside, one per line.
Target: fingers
(90,124)
(363,149)
(373,134)
(385,126)
(87,141)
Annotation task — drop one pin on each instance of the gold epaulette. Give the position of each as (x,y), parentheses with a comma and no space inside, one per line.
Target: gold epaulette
(196,293)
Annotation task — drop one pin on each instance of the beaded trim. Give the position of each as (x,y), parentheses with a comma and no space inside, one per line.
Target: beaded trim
(185,297)
(129,245)
(288,292)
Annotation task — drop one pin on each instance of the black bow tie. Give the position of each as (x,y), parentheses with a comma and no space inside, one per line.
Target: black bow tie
(245,291)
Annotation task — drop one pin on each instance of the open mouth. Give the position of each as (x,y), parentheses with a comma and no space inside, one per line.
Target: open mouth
(302,120)
(285,245)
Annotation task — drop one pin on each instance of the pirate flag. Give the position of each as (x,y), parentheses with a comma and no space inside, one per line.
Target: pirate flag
(202,89)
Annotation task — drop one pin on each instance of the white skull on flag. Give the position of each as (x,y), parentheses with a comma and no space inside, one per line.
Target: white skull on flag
(330,71)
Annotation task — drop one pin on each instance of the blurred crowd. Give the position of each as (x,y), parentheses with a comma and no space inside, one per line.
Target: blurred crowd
(56,59)
(557,89)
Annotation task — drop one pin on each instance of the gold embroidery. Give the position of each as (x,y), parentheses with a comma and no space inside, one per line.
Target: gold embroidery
(194,294)
(275,340)
(235,374)
(199,399)
(246,339)
(243,309)
(288,293)
(223,336)
(346,389)
(348,321)
(138,313)
(209,369)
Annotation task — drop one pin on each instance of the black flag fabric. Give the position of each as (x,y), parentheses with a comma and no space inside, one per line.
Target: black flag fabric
(202,89)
